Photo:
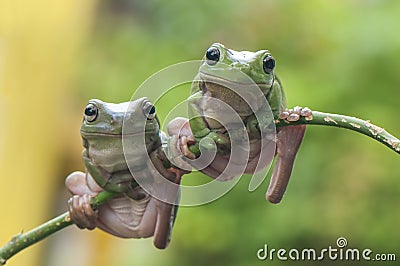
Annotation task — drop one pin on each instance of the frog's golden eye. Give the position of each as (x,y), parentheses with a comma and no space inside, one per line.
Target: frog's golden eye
(212,56)
(268,64)
(149,110)
(91,112)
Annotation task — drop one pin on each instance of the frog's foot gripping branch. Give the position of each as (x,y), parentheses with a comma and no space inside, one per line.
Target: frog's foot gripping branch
(304,116)
(177,148)
(81,212)
(288,143)
(292,115)
(134,214)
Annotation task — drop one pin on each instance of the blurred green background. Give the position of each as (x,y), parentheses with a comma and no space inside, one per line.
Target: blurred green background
(333,56)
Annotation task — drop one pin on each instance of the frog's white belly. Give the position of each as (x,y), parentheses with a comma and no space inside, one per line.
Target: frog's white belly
(130,218)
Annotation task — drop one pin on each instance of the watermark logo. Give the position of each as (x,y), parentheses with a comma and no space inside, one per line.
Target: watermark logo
(340,252)
(341,242)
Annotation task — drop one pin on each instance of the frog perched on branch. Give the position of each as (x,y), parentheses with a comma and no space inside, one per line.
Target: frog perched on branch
(245,81)
(134,213)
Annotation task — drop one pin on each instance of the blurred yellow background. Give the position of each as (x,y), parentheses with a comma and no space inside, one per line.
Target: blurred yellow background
(333,56)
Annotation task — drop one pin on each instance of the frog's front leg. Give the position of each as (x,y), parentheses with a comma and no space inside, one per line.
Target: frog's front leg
(81,212)
(199,124)
(83,187)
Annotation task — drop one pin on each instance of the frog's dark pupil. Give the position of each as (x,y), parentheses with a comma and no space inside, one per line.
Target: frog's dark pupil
(152,110)
(90,111)
(212,55)
(268,64)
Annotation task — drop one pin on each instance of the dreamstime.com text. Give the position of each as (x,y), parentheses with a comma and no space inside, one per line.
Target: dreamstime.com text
(338,252)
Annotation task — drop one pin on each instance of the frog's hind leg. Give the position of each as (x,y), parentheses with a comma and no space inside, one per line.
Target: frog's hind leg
(166,215)
(167,212)
(163,228)
(288,143)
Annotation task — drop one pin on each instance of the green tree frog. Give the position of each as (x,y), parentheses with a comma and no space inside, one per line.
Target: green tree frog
(221,64)
(134,214)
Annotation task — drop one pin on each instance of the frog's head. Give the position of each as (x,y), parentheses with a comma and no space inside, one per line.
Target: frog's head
(101,118)
(227,64)
(233,76)
(104,125)
(104,129)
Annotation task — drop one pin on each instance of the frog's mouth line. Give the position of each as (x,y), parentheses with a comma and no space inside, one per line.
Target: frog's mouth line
(219,81)
(116,135)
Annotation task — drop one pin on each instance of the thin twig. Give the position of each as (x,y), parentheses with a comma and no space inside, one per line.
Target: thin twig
(335,120)
(352,123)
(24,240)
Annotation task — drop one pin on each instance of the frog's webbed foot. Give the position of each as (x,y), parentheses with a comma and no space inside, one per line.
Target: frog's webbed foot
(296,113)
(184,142)
(81,212)
(288,143)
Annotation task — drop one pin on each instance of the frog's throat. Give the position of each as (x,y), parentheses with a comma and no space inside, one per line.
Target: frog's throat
(105,179)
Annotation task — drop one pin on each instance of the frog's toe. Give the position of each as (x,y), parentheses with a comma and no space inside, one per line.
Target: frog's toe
(293,117)
(181,137)
(176,151)
(296,113)
(81,212)
(297,109)
(184,143)
(284,115)
(307,113)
